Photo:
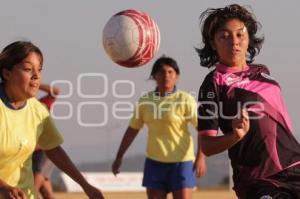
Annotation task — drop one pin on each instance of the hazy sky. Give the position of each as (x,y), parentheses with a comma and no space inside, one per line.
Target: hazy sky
(70,35)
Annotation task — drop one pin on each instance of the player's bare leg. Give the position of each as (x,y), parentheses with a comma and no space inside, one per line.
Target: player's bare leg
(156,194)
(185,193)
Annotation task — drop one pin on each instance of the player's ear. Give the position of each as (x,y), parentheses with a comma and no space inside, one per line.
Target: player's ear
(6,74)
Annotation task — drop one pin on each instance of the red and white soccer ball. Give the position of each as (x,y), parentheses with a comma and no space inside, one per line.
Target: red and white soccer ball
(131,38)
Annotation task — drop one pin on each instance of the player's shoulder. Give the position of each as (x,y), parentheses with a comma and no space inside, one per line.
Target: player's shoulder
(146,96)
(261,68)
(37,106)
(209,80)
(185,95)
(210,75)
(34,102)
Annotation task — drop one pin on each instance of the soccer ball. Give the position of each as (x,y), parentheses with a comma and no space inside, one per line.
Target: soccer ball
(131,38)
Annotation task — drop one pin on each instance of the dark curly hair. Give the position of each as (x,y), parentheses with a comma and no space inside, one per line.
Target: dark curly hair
(213,19)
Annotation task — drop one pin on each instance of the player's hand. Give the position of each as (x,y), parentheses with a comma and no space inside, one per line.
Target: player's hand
(200,166)
(116,166)
(92,192)
(55,91)
(9,192)
(241,125)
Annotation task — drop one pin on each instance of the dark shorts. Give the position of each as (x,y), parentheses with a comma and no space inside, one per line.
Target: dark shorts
(168,177)
(288,186)
(38,160)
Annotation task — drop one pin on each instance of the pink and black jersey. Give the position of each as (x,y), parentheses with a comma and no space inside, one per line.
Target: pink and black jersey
(269,147)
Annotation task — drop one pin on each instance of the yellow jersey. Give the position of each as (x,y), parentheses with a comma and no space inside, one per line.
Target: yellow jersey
(20,131)
(167,119)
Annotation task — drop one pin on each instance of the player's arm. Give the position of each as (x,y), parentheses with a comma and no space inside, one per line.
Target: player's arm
(200,165)
(216,144)
(127,139)
(59,157)
(50,90)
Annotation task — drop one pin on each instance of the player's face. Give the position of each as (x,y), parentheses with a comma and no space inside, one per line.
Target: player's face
(166,78)
(25,78)
(231,43)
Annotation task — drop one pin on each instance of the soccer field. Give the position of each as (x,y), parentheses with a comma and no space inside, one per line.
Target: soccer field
(204,194)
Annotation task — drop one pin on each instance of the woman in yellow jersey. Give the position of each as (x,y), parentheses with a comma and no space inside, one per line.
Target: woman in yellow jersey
(167,111)
(25,122)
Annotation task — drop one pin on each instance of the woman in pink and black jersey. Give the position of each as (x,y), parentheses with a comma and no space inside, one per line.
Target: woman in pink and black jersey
(166,111)
(245,103)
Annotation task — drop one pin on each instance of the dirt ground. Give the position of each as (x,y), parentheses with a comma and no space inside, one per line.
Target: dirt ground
(203,194)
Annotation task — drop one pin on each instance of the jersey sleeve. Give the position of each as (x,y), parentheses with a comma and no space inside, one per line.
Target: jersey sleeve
(208,122)
(191,111)
(50,137)
(136,121)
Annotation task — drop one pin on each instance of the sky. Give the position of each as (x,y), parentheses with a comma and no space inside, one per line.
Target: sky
(69,33)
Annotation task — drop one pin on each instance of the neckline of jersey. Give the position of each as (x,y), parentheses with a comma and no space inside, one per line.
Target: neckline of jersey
(230,69)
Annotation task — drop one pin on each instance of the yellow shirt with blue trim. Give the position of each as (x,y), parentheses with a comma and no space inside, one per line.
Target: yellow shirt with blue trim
(167,119)
(20,131)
